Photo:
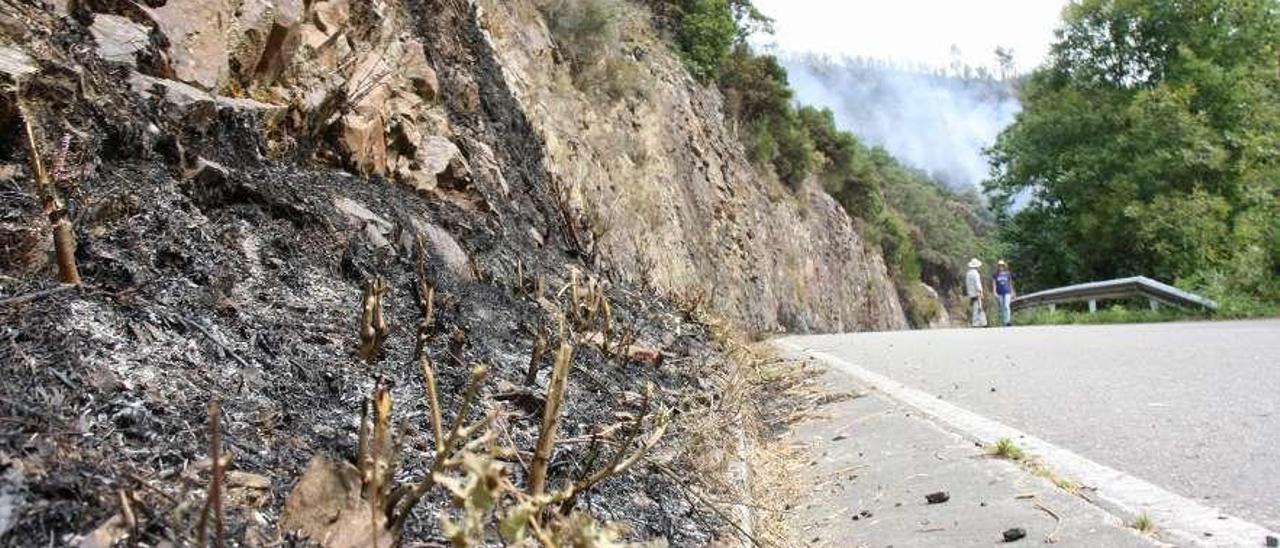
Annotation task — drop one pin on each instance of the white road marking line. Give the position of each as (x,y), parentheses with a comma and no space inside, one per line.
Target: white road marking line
(1178,518)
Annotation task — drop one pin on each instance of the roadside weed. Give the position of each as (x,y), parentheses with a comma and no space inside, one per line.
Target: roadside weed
(1144,524)
(1005,448)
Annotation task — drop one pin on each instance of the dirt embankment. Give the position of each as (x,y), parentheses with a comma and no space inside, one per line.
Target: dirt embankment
(236,172)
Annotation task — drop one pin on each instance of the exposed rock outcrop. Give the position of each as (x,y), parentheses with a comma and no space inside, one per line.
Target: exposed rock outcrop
(941,317)
(678,203)
(119,39)
(353,72)
(197,33)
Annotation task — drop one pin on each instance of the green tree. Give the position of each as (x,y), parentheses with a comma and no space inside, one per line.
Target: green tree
(759,97)
(708,29)
(1145,110)
(1183,233)
(844,164)
(749,19)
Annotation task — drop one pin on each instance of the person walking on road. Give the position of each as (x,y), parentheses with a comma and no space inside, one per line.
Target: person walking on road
(1002,286)
(973,289)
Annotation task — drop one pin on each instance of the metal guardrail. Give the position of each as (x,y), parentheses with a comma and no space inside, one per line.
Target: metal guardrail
(1140,286)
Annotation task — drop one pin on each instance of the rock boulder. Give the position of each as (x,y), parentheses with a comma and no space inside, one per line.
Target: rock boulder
(197,35)
(119,39)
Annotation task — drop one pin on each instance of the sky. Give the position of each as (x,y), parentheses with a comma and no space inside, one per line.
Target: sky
(916,32)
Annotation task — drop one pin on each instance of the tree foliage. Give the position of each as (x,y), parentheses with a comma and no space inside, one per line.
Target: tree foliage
(759,97)
(1149,144)
(708,30)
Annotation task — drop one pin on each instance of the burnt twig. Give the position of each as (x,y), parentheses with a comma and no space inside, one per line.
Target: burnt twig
(196,326)
(126,510)
(433,400)
(64,239)
(426,298)
(373,326)
(691,496)
(402,500)
(535,359)
(378,469)
(457,341)
(213,503)
(1052,537)
(550,420)
(36,295)
(621,461)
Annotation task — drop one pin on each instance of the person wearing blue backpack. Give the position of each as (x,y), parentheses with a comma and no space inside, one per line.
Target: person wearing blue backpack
(1002,286)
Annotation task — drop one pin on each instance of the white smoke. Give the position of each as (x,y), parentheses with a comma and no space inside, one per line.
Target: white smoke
(939,122)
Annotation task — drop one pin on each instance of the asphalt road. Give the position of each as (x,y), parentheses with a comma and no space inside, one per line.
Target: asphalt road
(1191,407)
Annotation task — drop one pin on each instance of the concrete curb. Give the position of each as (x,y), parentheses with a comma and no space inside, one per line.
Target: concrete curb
(740,474)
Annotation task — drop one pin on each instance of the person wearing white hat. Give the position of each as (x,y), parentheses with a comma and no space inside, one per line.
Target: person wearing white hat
(973,289)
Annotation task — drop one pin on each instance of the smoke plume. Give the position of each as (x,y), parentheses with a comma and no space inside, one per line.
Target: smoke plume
(936,121)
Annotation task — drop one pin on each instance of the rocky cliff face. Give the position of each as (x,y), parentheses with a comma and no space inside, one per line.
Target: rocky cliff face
(675,201)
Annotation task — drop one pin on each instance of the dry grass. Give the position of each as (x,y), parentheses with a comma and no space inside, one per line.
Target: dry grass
(793,392)
(715,434)
(775,466)
(762,395)
(589,34)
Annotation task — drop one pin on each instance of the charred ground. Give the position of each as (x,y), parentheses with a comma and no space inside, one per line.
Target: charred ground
(217,266)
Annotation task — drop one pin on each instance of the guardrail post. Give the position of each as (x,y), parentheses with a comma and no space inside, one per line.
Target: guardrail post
(1093,305)
(1053,307)
(1155,305)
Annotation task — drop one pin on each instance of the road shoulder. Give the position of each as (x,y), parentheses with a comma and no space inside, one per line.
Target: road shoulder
(869,462)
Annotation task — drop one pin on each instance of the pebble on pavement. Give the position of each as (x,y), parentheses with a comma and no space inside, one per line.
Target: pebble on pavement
(1015,534)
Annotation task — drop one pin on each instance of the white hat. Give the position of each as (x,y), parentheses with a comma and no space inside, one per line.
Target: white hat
(975,263)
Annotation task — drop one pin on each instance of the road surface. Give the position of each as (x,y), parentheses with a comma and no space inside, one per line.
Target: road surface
(1193,408)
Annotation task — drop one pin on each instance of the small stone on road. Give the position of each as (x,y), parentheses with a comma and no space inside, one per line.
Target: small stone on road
(1015,534)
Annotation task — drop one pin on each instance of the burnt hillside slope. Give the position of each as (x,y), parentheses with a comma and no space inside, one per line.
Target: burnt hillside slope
(236,174)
